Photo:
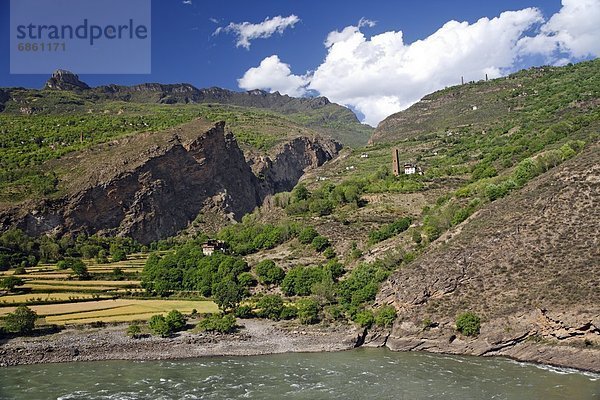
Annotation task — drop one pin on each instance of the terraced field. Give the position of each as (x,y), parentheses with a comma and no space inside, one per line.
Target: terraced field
(60,299)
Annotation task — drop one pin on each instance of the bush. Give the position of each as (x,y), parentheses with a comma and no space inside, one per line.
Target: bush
(329,253)
(364,318)
(269,273)
(10,282)
(175,320)
(80,269)
(300,280)
(307,235)
(389,230)
(134,331)
(385,316)
(117,255)
(308,311)
(468,324)
(22,320)
(246,279)
(270,306)
(159,326)
(222,323)
(244,312)
(320,243)
(288,312)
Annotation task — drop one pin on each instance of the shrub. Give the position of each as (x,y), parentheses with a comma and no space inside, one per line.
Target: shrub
(20,271)
(117,255)
(175,320)
(134,331)
(385,316)
(10,282)
(159,326)
(308,311)
(288,312)
(468,324)
(320,243)
(300,280)
(22,320)
(244,312)
(246,279)
(270,306)
(329,253)
(222,323)
(364,318)
(307,235)
(269,273)
(80,269)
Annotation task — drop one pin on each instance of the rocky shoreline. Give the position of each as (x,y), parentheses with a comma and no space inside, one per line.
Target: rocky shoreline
(260,337)
(256,337)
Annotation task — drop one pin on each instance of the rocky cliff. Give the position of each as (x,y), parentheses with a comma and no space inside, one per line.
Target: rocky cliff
(162,189)
(528,265)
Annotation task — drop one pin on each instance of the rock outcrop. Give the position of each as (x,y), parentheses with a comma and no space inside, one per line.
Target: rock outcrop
(65,80)
(528,265)
(164,190)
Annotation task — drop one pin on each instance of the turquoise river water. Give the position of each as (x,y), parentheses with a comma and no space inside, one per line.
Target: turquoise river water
(356,374)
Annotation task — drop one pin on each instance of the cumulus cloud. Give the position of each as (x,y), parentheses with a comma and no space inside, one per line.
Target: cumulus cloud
(574,30)
(246,31)
(381,74)
(274,75)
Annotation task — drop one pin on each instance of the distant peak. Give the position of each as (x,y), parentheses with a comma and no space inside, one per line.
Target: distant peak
(65,80)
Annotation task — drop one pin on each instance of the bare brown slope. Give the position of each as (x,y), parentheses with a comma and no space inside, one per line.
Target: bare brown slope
(528,264)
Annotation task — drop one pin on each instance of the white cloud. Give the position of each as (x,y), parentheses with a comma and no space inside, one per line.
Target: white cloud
(187,2)
(274,75)
(382,75)
(247,31)
(574,30)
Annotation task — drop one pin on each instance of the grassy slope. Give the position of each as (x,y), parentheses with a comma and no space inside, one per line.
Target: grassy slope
(38,150)
(453,185)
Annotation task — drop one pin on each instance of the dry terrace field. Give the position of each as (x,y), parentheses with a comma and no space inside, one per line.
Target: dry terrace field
(59,299)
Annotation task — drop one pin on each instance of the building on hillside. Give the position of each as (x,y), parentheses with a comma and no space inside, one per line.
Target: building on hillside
(405,168)
(396,161)
(410,169)
(212,245)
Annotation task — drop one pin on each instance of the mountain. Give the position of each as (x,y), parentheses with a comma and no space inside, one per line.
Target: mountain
(151,186)
(516,100)
(527,265)
(316,113)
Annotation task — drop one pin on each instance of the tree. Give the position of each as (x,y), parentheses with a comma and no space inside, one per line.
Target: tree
(269,273)
(80,269)
(117,254)
(175,320)
(10,282)
(468,324)
(308,311)
(22,320)
(227,294)
(270,306)
(159,326)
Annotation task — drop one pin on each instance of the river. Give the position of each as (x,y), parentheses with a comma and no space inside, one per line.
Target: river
(356,374)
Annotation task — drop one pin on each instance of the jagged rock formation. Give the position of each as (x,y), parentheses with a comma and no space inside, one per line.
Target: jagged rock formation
(528,264)
(167,186)
(65,80)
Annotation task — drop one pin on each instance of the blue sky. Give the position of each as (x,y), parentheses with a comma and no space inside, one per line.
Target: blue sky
(184,48)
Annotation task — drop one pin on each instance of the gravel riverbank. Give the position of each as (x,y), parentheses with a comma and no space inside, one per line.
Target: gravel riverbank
(111,343)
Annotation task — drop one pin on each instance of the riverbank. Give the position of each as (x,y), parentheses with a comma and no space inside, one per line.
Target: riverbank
(259,337)
(256,337)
